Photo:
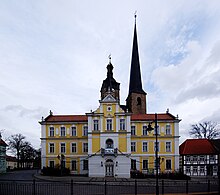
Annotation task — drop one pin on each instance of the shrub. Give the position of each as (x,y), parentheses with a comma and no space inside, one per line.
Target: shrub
(55,171)
(172,175)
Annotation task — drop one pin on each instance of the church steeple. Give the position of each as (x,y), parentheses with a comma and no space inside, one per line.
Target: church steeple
(110,85)
(136,100)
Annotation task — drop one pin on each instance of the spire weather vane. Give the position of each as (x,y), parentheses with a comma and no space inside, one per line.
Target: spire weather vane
(110,57)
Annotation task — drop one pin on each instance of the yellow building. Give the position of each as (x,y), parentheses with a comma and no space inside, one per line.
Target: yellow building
(114,139)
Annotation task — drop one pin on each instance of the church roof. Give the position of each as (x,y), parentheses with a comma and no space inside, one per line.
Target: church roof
(197,146)
(146,117)
(135,85)
(110,82)
(66,118)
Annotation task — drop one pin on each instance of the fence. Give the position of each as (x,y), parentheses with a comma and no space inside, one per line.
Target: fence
(35,187)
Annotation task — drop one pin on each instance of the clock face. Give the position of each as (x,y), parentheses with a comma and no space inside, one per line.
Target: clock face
(109,108)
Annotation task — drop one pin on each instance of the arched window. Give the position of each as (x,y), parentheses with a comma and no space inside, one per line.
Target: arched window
(109,143)
(138,101)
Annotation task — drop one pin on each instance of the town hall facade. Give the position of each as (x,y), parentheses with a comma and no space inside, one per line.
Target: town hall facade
(114,139)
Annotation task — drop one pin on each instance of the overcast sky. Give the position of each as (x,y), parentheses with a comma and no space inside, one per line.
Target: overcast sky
(54,53)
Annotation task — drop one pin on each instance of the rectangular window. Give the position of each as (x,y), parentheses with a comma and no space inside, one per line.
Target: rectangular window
(73,147)
(188,159)
(211,158)
(133,164)
(51,131)
(156,146)
(96,125)
(122,124)
(202,158)
(63,148)
(73,165)
(195,158)
(51,147)
(195,170)
(62,131)
(85,130)
(145,147)
(51,163)
(168,129)
(145,164)
(144,130)
(85,147)
(133,130)
(73,131)
(85,165)
(168,146)
(188,170)
(133,146)
(109,124)
(168,164)
(158,130)
(202,169)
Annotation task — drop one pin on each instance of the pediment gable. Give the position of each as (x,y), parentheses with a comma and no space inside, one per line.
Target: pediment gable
(109,98)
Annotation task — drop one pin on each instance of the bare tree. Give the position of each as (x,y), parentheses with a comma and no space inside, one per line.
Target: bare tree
(207,129)
(16,143)
(27,155)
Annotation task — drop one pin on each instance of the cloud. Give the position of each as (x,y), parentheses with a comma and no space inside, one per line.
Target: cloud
(25,112)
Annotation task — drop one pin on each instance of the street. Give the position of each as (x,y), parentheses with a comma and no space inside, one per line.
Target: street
(26,182)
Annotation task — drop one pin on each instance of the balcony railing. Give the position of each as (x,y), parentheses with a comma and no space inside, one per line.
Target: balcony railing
(109,151)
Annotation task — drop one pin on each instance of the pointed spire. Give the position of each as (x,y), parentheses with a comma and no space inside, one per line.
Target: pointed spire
(135,72)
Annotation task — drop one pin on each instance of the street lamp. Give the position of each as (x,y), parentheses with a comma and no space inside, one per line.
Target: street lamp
(149,128)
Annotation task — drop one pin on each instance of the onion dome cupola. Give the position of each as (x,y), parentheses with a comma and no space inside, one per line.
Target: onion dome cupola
(110,85)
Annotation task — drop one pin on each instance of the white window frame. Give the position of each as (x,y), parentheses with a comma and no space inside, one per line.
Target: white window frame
(144,146)
(144,130)
(85,130)
(51,147)
(50,131)
(85,147)
(168,130)
(61,148)
(122,124)
(133,130)
(168,146)
(96,125)
(158,130)
(109,124)
(73,129)
(61,131)
(73,143)
(133,145)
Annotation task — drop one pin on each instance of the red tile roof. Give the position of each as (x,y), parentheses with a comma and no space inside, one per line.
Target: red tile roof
(66,118)
(197,146)
(2,143)
(146,117)
(11,158)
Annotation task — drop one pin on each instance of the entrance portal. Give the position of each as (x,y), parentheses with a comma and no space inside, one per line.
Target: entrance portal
(109,168)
